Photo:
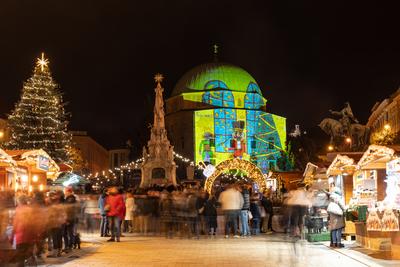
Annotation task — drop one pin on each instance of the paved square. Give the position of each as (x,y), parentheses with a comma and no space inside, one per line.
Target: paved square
(272,250)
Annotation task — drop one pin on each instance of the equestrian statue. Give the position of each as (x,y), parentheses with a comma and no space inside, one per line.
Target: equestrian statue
(347,126)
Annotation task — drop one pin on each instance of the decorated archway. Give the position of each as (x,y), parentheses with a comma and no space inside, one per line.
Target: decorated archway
(252,171)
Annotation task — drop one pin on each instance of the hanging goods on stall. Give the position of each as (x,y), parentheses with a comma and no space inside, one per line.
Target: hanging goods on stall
(334,208)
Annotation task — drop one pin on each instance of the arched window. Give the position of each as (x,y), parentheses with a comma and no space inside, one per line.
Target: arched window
(253,98)
(215,84)
(253,88)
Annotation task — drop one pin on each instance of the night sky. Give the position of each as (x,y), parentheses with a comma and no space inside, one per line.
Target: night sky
(307,56)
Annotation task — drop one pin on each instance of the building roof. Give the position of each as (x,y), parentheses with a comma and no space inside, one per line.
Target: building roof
(215,75)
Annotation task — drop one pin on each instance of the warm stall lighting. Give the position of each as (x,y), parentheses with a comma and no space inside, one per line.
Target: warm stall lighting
(348,140)
(330,148)
(30,188)
(24,178)
(386,127)
(35,178)
(41,187)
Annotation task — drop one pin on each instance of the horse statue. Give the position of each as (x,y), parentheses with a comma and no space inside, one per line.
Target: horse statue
(346,126)
(360,133)
(332,127)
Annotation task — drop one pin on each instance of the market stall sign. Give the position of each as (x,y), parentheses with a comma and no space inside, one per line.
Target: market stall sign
(393,166)
(43,163)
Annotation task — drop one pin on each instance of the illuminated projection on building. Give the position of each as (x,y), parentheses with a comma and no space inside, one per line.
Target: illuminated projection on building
(229,117)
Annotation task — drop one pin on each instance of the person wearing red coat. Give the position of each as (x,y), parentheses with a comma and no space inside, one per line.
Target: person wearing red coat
(115,207)
(24,227)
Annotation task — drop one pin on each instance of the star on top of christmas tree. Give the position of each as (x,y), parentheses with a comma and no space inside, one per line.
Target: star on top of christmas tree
(42,62)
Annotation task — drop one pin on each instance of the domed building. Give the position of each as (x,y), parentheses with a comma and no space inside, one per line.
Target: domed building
(217,112)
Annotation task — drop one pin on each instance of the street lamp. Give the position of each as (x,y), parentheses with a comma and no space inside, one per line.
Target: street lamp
(330,148)
(348,141)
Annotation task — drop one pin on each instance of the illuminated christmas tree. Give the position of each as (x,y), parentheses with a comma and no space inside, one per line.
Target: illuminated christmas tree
(39,119)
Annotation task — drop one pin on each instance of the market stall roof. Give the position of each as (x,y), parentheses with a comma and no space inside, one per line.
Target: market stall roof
(314,172)
(376,157)
(70,178)
(6,159)
(30,156)
(344,163)
(64,167)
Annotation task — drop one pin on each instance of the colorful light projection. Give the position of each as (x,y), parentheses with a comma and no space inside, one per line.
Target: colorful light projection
(226,133)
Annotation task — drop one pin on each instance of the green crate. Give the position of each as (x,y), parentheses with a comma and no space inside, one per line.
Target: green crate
(324,236)
(362,213)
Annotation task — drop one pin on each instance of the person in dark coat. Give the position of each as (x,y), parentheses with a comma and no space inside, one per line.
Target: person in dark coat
(267,204)
(167,214)
(255,212)
(210,215)
(69,226)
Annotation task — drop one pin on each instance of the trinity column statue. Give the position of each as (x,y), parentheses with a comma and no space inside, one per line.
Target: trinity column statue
(158,165)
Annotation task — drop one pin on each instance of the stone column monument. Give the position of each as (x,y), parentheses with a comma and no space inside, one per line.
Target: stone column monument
(158,166)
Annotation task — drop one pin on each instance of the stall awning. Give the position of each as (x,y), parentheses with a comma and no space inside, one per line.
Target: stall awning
(69,178)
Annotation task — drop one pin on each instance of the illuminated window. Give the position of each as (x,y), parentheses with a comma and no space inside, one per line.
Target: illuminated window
(220,98)
(215,84)
(223,119)
(253,88)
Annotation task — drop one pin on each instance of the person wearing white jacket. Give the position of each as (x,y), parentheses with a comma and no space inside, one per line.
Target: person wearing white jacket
(231,201)
(130,208)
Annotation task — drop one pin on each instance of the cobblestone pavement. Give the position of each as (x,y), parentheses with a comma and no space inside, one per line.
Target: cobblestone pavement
(270,250)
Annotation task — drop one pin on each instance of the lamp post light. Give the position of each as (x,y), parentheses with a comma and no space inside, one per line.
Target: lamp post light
(348,141)
(330,148)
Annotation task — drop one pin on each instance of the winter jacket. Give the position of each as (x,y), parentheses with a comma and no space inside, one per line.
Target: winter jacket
(25,225)
(101,204)
(336,221)
(70,208)
(130,208)
(254,209)
(246,199)
(116,206)
(231,199)
(210,207)
(267,204)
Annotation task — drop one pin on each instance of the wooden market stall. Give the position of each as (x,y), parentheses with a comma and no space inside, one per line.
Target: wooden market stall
(340,173)
(8,171)
(39,167)
(378,229)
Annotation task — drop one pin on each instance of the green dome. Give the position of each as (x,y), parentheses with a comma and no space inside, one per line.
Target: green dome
(216,75)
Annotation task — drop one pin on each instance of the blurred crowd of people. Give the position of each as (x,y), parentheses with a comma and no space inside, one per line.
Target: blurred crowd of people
(39,224)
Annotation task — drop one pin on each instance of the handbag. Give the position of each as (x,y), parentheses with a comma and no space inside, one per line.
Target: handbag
(334,208)
(250,215)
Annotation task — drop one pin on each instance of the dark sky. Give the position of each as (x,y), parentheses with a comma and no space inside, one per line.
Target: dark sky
(307,56)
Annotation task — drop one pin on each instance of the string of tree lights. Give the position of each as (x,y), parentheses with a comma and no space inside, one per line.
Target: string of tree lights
(39,120)
(116,175)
